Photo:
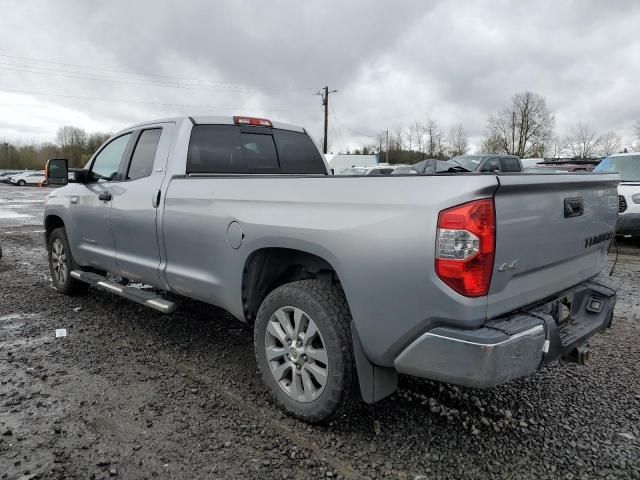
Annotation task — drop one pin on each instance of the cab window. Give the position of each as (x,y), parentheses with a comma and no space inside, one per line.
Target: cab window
(106,164)
(491,165)
(144,154)
(509,164)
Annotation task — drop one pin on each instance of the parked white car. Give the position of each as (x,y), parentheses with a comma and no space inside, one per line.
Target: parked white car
(28,178)
(628,166)
(377,170)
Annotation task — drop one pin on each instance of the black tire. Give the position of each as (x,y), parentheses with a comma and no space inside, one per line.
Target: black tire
(21,183)
(66,285)
(326,305)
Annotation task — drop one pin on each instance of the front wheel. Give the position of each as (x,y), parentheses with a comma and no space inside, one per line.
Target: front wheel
(303,348)
(21,183)
(61,263)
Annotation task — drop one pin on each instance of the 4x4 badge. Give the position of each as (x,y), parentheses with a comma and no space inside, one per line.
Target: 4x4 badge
(508,266)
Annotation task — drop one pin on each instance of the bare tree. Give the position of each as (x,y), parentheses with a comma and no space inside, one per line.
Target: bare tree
(381,142)
(94,140)
(433,139)
(610,143)
(491,144)
(457,141)
(72,142)
(398,139)
(582,142)
(557,147)
(523,128)
(636,131)
(417,132)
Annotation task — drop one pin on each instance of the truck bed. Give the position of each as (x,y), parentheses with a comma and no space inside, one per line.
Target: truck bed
(378,234)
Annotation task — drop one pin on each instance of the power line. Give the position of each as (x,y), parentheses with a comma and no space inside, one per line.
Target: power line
(107,69)
(152,83)
(146,76)
(333,113)
(117,100)
(337,141)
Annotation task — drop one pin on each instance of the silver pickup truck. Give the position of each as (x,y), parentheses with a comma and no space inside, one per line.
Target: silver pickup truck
(472,279)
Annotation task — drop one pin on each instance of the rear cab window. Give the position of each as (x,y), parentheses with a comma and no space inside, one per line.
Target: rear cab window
(232,149)
(144,154)
(508,164)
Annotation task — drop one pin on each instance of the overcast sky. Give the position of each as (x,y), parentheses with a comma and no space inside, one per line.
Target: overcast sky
(106,65)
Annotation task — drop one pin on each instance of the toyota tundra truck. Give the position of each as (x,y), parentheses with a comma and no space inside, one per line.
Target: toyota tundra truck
(486,277)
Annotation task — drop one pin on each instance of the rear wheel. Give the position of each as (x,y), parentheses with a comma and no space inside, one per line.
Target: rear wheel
(61,263)
(303,348)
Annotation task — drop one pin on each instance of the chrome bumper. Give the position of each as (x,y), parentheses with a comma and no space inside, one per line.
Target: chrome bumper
(508,348)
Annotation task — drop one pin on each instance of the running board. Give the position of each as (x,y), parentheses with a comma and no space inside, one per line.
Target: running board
(142,297)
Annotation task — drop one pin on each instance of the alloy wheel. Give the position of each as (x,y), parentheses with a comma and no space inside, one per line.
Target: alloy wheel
(58,261)
(296,354)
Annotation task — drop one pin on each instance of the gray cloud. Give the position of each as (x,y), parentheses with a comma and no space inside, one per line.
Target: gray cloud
(392,62)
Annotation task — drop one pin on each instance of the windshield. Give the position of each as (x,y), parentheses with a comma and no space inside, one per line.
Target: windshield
(627,166)
(467,161)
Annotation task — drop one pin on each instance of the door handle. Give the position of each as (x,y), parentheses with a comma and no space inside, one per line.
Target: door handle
(105,196)
(155,201)
(573,207)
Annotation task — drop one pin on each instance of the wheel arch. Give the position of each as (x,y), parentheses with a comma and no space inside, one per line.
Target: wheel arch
(268,268)
(51,222)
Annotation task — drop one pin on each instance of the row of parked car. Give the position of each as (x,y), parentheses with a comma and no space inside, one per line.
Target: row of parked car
(473,163)
(627,165)
(23,177)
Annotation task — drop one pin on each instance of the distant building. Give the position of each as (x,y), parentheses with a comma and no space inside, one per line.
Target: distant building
(339,161)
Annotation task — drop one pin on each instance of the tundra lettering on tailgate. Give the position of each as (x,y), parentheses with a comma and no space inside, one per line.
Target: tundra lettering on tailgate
(596,239)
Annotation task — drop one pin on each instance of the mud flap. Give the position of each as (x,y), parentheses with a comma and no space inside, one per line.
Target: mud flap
(375,382)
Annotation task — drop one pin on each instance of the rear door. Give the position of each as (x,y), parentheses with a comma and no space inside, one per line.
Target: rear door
(552,232)
(134,209)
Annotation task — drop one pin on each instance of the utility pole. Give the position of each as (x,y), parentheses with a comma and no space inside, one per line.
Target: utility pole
(513,132)
(387,152)
(325,102)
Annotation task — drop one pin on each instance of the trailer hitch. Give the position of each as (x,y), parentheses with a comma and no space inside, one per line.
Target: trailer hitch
(579,355)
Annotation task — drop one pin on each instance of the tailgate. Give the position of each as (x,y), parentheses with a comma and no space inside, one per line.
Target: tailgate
(552,232)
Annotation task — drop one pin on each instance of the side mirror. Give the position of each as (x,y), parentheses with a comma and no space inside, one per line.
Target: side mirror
(79,175)
(57,171)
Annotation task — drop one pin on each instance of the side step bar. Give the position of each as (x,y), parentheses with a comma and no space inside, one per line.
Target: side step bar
(142,297)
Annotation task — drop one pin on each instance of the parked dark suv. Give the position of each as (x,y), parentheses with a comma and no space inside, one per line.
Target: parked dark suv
(489,163)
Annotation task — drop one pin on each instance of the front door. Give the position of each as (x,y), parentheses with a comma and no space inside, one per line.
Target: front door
(135,205)
(90,208)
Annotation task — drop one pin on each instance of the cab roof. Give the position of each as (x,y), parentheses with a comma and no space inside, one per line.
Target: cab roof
(215,120)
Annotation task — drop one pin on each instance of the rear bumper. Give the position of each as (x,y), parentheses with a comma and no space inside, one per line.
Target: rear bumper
(628,224)
(513,346)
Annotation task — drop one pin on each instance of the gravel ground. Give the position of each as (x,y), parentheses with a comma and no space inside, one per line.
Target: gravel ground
(131,393)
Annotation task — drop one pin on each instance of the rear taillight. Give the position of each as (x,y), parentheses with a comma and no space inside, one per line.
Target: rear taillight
(255,122)
(465,247)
